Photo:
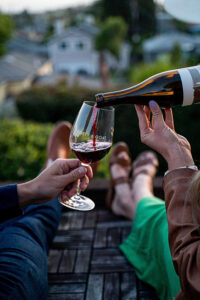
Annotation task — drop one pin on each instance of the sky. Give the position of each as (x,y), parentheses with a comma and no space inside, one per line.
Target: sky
(38,5)
(10,6)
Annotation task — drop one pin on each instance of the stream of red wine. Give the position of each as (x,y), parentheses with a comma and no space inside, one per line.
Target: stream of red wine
(94,125)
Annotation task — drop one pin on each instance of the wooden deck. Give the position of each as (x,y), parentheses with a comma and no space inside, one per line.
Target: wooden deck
(85,262)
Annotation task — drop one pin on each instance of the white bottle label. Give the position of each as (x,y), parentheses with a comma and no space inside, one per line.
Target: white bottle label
(191,84)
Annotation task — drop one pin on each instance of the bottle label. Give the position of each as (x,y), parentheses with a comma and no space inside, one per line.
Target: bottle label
(191,85)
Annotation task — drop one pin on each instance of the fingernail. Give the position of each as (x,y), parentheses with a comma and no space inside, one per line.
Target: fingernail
(152,104)
(81,171)
(149,155)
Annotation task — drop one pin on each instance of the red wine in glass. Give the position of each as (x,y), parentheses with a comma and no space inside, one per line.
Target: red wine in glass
(89,153)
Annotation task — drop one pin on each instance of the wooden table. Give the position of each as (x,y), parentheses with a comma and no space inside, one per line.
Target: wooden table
(85,262)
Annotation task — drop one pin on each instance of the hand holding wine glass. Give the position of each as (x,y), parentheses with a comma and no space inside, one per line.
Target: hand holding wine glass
(90,140)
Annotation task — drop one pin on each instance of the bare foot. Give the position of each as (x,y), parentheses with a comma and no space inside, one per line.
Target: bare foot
(58,142)
(144,170)
(127,196)
(122,196)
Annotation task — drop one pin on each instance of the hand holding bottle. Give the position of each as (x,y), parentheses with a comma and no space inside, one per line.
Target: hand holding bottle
(159,134)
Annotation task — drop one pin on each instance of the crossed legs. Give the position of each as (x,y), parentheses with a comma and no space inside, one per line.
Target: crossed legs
(24,241)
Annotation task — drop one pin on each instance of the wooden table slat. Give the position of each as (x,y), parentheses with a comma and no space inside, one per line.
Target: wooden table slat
(113,237)
(77,220)
(54,260)
(100,239)
(95,287)
(82,261)
(112,287)
(90,219)
(66,220)
(67,261)
(128,286)
(66,297)
(73,239)
(114,224)
(67,288)
(107,216)
(125,233)
(67,278)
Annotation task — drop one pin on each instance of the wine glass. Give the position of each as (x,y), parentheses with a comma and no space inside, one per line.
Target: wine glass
(90,140)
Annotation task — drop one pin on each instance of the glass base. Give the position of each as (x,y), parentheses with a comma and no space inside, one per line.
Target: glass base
(78,202)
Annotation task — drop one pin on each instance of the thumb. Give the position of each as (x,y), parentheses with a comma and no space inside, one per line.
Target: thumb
(157,114)
(74,175)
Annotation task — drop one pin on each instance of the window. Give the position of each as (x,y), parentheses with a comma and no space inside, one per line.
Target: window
(63,45)
(80,45)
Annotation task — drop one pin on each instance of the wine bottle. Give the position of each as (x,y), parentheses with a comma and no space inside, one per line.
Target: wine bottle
(170,88)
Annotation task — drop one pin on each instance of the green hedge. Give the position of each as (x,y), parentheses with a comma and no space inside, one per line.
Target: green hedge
(23,144)
(142,71)
(51,104)
(22,149)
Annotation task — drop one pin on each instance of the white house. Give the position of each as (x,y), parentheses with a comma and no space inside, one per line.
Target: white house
(165,42)
(73,51)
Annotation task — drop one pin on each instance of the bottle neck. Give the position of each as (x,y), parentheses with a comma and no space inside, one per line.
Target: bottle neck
(105,99)
(156,86)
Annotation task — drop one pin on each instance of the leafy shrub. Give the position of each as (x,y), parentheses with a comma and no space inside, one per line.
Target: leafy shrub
(22,149)
(23,144)
(51,104)
(142,71)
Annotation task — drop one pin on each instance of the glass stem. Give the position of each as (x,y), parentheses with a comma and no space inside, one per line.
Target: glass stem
(79,187)
(78,195)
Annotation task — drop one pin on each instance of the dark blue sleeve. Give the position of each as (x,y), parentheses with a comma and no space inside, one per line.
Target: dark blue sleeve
(9,206)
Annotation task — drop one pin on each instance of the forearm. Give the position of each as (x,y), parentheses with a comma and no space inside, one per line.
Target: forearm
(184,238)
(25,193)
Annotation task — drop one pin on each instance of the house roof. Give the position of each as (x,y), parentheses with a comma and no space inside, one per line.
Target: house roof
(84,28)
(166,41)
(20,42)
(17,66)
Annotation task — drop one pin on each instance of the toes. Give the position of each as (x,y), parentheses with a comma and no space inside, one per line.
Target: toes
(146,157)
(146,163)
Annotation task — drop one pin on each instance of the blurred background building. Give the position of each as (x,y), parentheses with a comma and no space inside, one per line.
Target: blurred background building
(102,41)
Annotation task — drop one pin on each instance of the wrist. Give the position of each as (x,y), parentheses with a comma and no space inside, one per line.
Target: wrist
(25,194)
(179,157)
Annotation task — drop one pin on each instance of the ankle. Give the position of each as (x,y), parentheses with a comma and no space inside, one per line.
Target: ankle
(142,187)
(124,204)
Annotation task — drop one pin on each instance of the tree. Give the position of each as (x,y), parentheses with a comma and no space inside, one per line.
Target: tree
(123,9)
(146,17)
(176,55)
(139,15)
(112,34)
(6,28)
